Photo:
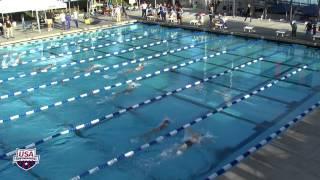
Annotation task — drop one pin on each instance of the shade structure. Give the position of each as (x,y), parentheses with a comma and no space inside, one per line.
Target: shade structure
(42,5)
(12,6)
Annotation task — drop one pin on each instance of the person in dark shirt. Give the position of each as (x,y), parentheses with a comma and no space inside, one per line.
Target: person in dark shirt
(248,13)
(50,21)
(308,28)
(68,20)
(294,28)
(314,28)
(179,14)
(9,29)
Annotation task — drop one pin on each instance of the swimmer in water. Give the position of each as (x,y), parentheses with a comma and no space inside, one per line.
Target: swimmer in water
(131,86)
(140,67)
(89,69)
(194,139)
(18,59)
(46,68)
(163,125)
(93,68)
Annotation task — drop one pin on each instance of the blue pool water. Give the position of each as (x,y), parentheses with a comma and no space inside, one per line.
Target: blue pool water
(52,86)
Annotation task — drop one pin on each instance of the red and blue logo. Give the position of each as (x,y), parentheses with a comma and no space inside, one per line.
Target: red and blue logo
(26,159)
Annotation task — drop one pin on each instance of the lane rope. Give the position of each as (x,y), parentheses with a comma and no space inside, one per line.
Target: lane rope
(174,132)
(77,51)
(91,123)
(74,42)
(263,142)
(106,88)
(97,71)
(92,92)
(133,107)
(62,44)
(91,59)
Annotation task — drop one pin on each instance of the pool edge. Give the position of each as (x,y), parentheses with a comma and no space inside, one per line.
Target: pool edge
(75,31)
(240,34)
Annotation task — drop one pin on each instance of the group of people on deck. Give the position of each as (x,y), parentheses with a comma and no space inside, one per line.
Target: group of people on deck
(163,11)
(115,11)
(65,19)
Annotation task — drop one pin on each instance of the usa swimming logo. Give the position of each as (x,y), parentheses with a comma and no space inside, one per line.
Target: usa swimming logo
(26,159)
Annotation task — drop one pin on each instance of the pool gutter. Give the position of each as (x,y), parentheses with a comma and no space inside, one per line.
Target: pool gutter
(75,31)
(241,34)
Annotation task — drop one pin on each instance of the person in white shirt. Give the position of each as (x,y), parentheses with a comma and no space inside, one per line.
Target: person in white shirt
(117,11)
(75,18)
(144,9)
(1,29)
(63,20)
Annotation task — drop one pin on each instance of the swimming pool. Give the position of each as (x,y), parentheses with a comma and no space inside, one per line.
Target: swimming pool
(71,99)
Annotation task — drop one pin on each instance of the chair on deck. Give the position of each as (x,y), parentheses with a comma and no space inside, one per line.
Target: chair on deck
(249,29)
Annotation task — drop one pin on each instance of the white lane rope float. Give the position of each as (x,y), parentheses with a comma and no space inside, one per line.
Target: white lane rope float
(74,52)
(96,71)
(77,51)
(133,107)
(77,42)
(97,91)
(62,44)
(263,142)
(158,140)
(91,59)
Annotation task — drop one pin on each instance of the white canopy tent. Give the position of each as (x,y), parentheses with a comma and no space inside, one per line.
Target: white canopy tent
(13,6)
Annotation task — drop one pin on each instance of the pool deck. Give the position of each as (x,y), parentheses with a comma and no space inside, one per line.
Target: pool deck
(294,155)
(21,36)
(263,29)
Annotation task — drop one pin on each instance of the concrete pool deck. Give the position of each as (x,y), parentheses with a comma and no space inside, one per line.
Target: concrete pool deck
(292,156)
(263,29)
(21,36)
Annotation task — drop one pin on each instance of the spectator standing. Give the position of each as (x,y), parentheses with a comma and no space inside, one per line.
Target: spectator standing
(23,23)
(179,14)
(1,28)
(211,13)
(50,21)
(75,18)
(163,12)
(124,12)
(9,28)
(294,28)
(314,28)
(117,11)
(248,13)
(68,20)
(308,28)
(144,9)
(63,20)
